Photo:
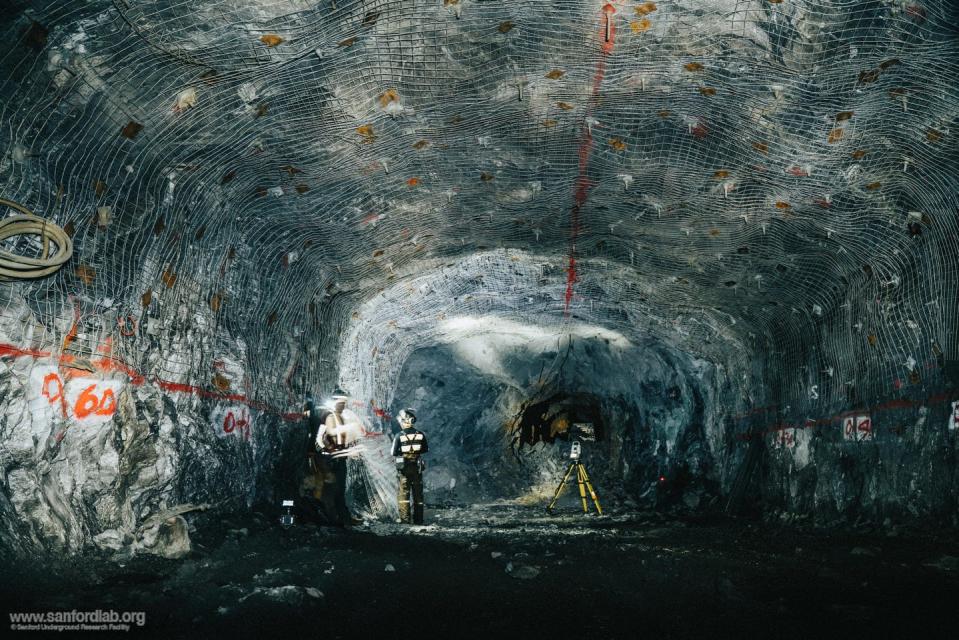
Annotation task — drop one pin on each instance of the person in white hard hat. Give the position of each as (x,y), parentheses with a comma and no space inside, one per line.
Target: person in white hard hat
(333,440)
(408,447)
(316,487)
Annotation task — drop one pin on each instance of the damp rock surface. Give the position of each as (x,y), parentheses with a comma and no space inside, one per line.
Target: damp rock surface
(609,576)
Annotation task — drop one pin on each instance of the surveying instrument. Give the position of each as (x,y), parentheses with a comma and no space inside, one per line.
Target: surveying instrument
(582,478)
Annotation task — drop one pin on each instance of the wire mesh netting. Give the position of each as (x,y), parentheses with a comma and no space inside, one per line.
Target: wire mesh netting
(313,188)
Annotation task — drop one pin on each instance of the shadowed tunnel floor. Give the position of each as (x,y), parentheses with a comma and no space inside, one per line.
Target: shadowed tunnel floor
(501,570)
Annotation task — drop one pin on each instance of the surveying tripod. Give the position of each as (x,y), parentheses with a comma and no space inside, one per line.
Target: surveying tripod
(582,479)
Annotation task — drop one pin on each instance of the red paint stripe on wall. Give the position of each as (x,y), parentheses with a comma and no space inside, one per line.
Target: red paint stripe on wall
(607,34)
(890,405)
(106,365)
(8,350)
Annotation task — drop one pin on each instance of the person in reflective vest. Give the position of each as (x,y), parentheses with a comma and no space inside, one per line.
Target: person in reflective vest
(408,447)
(332,442)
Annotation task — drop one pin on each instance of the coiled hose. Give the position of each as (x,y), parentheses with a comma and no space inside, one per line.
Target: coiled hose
(16,267)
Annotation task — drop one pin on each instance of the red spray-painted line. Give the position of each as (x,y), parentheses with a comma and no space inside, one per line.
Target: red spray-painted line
(107,364)
(899,403)
(607,34)
(72,334)
(8,350)
(380,412)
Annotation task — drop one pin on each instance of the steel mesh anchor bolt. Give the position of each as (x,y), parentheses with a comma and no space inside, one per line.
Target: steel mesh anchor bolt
(609,10)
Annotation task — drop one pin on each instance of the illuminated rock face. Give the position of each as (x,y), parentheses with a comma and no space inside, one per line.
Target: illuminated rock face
(268,198)
(503,431)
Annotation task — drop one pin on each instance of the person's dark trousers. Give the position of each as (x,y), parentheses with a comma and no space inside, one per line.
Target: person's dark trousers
(310,506)
(411,486)
(339,492)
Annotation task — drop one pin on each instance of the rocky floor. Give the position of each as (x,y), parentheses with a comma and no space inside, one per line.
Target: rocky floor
(502,570)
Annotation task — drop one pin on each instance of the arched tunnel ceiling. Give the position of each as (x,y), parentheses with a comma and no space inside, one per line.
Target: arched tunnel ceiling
(777,175)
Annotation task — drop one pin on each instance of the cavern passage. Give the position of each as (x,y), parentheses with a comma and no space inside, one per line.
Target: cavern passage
(721,233)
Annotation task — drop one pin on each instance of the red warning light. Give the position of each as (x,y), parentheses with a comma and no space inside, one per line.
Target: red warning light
(662,478)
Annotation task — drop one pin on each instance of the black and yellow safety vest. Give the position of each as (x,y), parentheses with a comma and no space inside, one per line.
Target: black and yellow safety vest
(410,443)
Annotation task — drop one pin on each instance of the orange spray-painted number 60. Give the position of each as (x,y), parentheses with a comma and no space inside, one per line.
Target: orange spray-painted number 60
(88,403)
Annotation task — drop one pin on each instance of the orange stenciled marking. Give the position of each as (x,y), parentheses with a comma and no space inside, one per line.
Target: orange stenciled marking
(110,364)
(108,404)
(88,403)
(45,391)
(380,412)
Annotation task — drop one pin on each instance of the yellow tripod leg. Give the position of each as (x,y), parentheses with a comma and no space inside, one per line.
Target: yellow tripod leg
(580,479)
(592,493)
(559,489)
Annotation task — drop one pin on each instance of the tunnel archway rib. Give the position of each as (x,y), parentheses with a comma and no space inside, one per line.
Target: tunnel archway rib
(472,313)
(273,147)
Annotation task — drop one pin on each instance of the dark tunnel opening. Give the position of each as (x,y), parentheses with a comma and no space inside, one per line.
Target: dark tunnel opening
(556,417)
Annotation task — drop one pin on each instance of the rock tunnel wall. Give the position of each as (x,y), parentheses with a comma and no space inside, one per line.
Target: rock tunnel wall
(659,414)
(863,423)
(270,197)
(96,452)
(476,356)
(868,425)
